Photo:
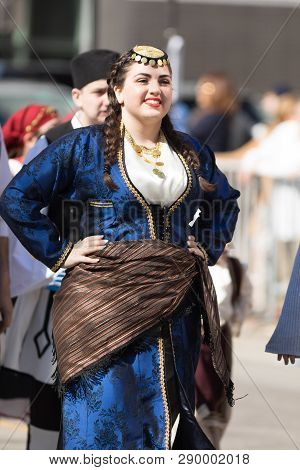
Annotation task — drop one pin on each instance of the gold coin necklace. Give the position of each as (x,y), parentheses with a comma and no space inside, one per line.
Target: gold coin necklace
(155,153)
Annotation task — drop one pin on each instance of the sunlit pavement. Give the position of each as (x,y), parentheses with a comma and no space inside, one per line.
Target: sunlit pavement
(13,434)
(268,418)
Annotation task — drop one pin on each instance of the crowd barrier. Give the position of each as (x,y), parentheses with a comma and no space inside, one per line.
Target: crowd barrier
(267,234)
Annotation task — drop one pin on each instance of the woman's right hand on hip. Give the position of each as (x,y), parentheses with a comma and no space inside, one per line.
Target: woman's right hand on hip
(82,249)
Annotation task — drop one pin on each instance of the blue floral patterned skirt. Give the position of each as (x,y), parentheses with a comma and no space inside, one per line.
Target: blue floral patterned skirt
(133,402)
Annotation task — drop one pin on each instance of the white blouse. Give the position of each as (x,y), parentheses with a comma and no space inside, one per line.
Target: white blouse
(156,190)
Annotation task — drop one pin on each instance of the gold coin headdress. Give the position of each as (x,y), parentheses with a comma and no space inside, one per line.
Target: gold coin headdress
(149,55)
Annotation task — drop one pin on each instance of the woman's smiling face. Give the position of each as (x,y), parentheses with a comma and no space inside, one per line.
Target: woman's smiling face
(146,93)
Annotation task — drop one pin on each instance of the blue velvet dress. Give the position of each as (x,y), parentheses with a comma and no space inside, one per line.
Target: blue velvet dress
(132,401)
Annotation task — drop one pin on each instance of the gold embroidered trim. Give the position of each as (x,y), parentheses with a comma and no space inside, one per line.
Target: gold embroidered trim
(171,337)
(179,200)
(203,252)
(101,204)
(164,391)
(136,193)
(63,257)
(45,111)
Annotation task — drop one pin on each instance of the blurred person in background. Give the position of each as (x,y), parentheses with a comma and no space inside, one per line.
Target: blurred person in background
(268,170)
(275,106)
(277,153)
(276,161)
(285,341)
(89,72)
(27,367)
(22,130)
(218,120)
(234,292)
(20,133)
(271,104)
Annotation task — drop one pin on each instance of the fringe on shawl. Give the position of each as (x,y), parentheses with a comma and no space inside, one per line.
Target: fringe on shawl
(212,329)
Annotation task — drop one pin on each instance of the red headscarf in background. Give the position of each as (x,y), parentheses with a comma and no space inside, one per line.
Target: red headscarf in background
(24,121)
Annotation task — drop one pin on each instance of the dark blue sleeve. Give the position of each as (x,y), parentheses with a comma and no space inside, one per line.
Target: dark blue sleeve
(219,208)
(51,173)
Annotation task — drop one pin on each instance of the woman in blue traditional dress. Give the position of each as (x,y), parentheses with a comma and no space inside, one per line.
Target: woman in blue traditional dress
(127,318)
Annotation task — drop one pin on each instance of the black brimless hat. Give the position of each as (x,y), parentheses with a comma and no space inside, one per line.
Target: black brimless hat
(91,66)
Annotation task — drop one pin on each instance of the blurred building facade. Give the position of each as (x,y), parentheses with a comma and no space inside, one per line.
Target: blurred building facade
(228,35)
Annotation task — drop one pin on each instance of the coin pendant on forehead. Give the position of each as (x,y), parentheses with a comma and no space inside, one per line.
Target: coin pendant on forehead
(149,51)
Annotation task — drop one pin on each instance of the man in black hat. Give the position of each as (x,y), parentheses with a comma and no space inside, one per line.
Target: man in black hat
(90,71)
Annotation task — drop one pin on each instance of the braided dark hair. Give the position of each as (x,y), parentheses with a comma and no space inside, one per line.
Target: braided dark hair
(111,129)
(189,154)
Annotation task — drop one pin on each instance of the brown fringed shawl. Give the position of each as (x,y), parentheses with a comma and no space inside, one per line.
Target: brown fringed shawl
(103,307)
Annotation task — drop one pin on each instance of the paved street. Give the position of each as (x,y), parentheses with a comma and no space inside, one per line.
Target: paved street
(268,418)
(12,434)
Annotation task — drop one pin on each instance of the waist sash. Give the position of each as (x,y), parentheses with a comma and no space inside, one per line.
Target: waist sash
(103,307)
